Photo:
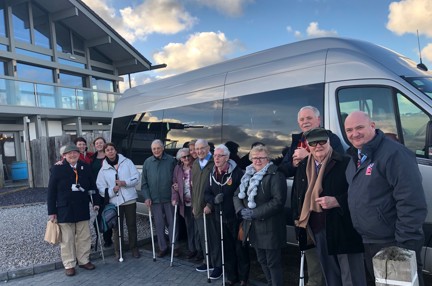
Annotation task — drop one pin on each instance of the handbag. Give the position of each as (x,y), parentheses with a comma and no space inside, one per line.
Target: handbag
(52,232)
(304,238)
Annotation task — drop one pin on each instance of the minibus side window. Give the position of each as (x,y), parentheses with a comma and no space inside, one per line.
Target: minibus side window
(268,117)
(399,118)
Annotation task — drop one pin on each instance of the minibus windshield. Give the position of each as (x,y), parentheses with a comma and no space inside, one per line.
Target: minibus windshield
(424,84)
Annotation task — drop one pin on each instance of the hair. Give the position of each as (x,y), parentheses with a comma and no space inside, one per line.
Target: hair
(257,144)
(192,142)
(258,148)
(310,107)
(80,139)
(61,150)
(232,146)
(201,141)
(159,142)
(181,151)
(99,138)
(224,148)
(186,144)
(110,144)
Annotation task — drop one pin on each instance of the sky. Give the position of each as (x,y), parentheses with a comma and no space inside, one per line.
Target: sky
(189,34)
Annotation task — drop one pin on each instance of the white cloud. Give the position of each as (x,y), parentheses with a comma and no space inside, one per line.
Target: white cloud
(427,53)
(408,16)
(136,79)
(231,8)
(314,31)
(201,49)
(151,16)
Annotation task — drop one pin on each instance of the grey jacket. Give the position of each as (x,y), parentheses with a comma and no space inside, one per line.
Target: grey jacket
(157,177)
(385,194)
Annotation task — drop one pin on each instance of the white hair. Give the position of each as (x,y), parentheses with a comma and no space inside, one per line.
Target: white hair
(310,107)
(223,148)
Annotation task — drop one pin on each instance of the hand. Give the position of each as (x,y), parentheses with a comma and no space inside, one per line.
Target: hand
(120,183)
(148,203)
(116,189)
(175,187)
(96,208)
(218,199)
(300,154)
(247,214)
(327,202)
(174,202)
(207,210)
(52,217)
(59,163)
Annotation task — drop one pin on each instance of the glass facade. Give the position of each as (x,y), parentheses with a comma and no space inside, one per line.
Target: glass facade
(41,27)
(2,21)
(102,84)
(72,80)
(20,22)
(34,73)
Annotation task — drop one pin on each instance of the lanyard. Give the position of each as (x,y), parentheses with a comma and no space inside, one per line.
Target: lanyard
(76,175)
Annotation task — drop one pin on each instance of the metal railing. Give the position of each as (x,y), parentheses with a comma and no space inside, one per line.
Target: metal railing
(25,93)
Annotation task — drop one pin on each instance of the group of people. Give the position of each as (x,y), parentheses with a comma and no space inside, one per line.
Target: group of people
(346,205)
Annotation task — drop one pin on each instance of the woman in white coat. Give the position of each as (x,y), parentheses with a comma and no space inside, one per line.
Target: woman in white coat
(117,179)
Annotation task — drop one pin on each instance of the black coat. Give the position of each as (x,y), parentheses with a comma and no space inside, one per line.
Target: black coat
(70,207)
(340,233)
(268,229)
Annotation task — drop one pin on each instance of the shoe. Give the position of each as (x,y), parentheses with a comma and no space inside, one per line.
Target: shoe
(88,266)
(199,257)
(191,254)
(176,252)
(70,271)
(216,274)
(203,268)
(136,253)
(162,253)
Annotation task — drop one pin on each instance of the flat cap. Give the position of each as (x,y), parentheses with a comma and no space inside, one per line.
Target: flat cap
(70,148)
(317,134)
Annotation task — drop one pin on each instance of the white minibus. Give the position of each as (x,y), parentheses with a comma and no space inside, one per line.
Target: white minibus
(257,97)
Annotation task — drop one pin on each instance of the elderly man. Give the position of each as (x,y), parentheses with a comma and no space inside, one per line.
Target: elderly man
(68,203)
(320,206)
(308,118)
(157,173)
(385,195)
(201,170)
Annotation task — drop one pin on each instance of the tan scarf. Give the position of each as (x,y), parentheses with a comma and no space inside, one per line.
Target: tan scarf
(314,188)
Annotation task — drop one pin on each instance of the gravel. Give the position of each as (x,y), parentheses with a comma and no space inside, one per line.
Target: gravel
(23,218)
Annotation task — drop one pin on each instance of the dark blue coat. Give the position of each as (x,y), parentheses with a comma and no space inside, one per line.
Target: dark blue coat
(70,207)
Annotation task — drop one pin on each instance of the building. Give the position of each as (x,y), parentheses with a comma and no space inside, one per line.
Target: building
(60,68)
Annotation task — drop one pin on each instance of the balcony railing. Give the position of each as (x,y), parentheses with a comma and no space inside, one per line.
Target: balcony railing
(24,93)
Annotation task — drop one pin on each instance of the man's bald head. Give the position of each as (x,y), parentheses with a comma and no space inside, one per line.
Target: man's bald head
(359,128)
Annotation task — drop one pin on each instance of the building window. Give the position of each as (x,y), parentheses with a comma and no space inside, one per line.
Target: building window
(72,80)
(41,27)
(34,73)
(102,84)
(2,22)
(63,39)
(21,22)
(95,55)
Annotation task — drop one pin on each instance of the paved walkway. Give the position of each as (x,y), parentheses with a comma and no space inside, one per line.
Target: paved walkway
(131,271)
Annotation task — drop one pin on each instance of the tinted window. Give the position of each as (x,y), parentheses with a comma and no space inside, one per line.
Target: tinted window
(269,117)
(20,20)
(393,113)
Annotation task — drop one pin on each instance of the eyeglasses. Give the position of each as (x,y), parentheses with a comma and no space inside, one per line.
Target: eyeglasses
(259,158)
(313,144)
(218,156)
(185,157)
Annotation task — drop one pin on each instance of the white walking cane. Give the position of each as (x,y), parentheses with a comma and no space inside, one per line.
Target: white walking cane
(301,281)
(222,246)
(151,233)
(173,235)
(92,192)
(118,222)
(206,248)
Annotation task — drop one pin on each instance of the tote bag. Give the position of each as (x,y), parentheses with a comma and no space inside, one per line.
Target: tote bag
(52,233)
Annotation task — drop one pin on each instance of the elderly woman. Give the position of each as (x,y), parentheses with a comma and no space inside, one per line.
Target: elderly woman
(320,205)
(68,203)
(182,196)
(117,178)
(260,201)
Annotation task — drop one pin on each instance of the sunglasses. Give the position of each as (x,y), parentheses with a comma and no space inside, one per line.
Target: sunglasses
(313,144)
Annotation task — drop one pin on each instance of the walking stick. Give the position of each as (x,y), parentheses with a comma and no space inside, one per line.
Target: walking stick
(92,192)
(118,222)
(206,248)
(151,233)
(222,246)
(301,281)
(173,234)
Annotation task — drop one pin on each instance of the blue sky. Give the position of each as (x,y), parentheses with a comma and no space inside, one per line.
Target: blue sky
(188,34)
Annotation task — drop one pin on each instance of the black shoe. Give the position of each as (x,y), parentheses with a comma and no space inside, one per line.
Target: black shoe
(203,268)
(216,274)
(162,253)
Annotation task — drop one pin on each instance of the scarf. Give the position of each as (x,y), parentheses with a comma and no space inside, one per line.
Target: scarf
(250,181)
(114,162)
(314,189)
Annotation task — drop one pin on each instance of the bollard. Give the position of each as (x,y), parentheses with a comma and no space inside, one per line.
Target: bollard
(395,266)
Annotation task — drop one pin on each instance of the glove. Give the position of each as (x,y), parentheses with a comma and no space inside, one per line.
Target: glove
(218,199)
(247,214)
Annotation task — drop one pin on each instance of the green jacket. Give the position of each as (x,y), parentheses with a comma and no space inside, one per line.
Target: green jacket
(200,180)
(156,178)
